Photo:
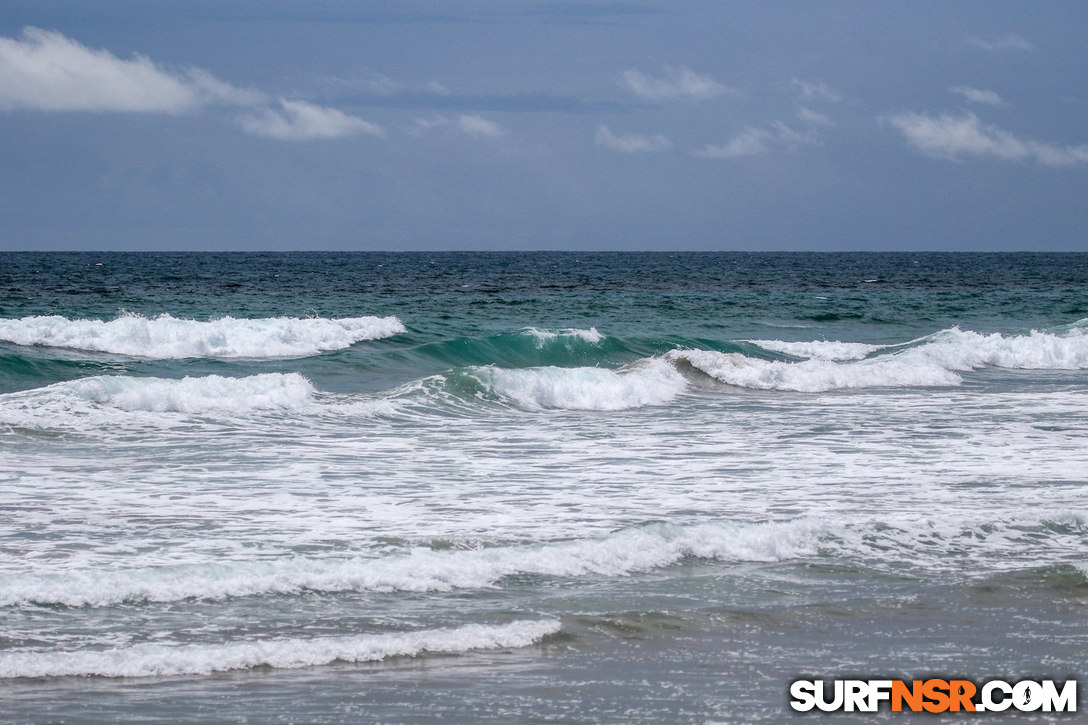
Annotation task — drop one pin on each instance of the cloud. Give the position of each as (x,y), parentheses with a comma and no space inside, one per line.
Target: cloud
(479,127)
(954,137)
(423,125)
(749,142)
(1011,42)
(379,84)
(813,118)
(677,83)
(754,141)
(301,121)
(630,143)
(471,125)
(435,87)
(791,137)
(974,95)
(46,71)
(815,91)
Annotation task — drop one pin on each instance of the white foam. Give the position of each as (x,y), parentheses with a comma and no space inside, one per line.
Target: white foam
(932,361)
(75,400)
(964,350)
(618,554)
(591,335)
(167,337)
(268,391)
(832,350)
(814,376)
(158,660)
(652,382)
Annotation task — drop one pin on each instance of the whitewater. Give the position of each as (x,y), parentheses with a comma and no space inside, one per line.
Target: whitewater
(164,336)
(501,487)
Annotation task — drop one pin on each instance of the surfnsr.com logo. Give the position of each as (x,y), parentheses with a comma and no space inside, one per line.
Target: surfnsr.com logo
(933,695)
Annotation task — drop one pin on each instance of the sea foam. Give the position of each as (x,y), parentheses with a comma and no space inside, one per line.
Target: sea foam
(210,393)
(158,660)
(76,402)
(963,350)
(621,553)
(590,335)
(652,382)
(936,360)
(167,337)
(832,350)
(814,376)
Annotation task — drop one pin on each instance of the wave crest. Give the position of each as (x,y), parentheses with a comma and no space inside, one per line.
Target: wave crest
(831,350)
(965,350)
(935,360)
(542,336)
(815,376)
(168,337)
(158,660)
(618,554)
(210,393)
(651,382)
(73,401)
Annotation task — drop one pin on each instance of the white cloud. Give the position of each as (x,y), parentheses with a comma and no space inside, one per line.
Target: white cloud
(423,125)
(791,137)
(479,127)
(975,95)
(677,83)
(436,88)
(213,90)
(815,91)
(475,126)
(46,71)
(953,137)
(813,118)
(379,84)
(301,121)
(631,142)
(1011,42)
(754,141)
(749,142)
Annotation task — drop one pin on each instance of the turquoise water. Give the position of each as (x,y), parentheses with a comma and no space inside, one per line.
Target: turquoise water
(532,487)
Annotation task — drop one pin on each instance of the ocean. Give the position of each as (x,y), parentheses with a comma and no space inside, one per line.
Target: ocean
(534,487)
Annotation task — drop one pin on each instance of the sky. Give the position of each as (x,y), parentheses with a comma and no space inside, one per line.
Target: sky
(523,125)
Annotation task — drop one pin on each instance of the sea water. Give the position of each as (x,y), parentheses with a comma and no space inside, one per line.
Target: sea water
(549,487)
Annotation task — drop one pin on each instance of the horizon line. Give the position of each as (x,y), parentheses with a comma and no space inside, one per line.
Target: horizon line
(538,251)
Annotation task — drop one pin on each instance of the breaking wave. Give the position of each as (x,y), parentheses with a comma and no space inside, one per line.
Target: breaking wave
(158,660)
(933,544)
(650,382)
(167,337)
(527,347)
(621,553)
(815,376)
(820,349)
(542,336)
(936,360)
(268,391)
(71,401)
(964,350)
